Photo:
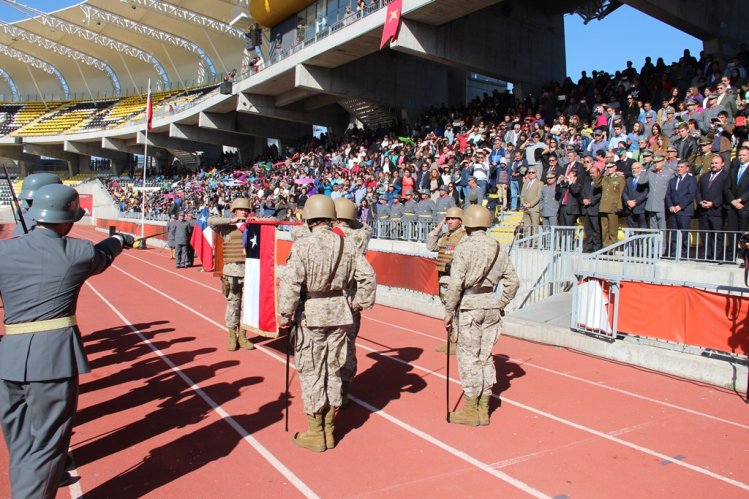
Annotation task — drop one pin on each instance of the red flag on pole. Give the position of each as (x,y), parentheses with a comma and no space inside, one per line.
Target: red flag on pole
(392,22)
(149,108)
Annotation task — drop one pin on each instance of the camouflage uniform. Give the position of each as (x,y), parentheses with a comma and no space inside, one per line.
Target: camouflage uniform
(361,237)
(320,343)
(232,282)
(479,321)
(445,247)
(300,231)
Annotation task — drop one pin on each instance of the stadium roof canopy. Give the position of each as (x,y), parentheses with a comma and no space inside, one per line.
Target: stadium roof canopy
(102,48)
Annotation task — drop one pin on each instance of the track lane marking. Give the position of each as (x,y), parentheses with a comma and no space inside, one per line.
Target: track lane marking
(246,436)
(578,426)
(586,381)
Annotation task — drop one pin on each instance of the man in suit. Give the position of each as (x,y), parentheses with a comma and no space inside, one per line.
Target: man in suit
(710,206)
(530,198)
(41,355)
(591,200)
(634,197)
(682,189)
(569,185)
(736,195)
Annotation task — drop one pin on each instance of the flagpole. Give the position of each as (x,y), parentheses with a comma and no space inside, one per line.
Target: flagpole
(145,163)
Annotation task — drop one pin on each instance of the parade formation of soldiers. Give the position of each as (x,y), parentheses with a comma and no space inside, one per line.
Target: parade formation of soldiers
(326,283)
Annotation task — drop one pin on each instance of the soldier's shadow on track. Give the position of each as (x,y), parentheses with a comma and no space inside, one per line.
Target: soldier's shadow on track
(383,382)
(177,405)
(506,372)
(191,452)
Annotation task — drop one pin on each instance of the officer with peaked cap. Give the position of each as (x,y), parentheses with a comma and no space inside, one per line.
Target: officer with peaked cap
(444,244)
(478,267)
(41,355)
(30,185)
(346,225)
(325,265)
(232,279)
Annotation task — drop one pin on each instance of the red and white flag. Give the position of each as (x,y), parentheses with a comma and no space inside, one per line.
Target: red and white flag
(392,22)
(149,108)
(259,297)
(202,241)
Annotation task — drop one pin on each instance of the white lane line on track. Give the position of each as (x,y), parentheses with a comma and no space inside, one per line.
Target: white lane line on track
(586,381)
(452,450)
(265,453)
(173,273)
(558,419)
(580,427)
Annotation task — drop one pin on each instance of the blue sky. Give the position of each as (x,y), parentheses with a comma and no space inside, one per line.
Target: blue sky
(605,45)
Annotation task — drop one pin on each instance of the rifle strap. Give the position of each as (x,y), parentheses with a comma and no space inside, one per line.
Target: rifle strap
(335,267)
(491,266)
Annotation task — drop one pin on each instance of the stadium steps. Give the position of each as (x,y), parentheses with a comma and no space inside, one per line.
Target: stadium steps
(189,160)
(371,115)
(504,231)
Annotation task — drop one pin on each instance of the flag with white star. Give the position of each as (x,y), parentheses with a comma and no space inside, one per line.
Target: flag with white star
(259,298)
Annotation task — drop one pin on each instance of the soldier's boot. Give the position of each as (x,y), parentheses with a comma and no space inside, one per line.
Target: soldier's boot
(484,409)
(243,341)
(446,346)
(468,415)
(328,419)
(344,393)
(313,439)
(232,345)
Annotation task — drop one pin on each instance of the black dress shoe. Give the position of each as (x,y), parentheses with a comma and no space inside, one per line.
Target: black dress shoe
(67,479)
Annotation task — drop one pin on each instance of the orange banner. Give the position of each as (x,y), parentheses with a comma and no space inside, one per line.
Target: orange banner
(685,315)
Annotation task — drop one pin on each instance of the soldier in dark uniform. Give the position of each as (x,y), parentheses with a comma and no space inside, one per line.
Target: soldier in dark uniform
(182,235)
(30,185)
(382,214)
(444,245)
(41,355)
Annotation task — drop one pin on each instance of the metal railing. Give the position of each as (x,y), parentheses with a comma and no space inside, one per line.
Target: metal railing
(636,256)
(545,262)
(415,231)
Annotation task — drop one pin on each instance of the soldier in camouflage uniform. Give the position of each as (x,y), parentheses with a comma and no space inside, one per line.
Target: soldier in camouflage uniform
(324,264)
(445,245)
(477,269)
(232,281)
(347,226)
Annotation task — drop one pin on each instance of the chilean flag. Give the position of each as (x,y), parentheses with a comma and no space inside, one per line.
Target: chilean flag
(202,240)
(259,297)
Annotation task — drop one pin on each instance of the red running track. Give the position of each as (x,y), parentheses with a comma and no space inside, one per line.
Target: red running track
(168,412)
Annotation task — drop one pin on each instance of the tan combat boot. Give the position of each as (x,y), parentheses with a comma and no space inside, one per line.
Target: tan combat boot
(329,418)
(313,439)
(243,341)
(469,415)
(232,346)
(445,346)
(484,409)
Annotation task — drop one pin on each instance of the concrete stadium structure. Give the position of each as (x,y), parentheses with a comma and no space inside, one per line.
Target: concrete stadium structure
(102,48)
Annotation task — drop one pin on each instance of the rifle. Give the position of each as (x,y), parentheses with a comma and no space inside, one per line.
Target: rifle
(286,386)
(456,325)
(15,201)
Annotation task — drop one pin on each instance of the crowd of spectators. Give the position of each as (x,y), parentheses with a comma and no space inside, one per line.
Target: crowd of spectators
(572,136)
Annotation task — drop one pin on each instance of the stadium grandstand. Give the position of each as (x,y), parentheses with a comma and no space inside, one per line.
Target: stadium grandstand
(602,193)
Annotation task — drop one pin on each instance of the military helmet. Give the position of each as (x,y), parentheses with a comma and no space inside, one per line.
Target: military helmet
(56,204)
(476,216)
(319,206)
(241,204)
(345,209)
(454,212)
(35,181)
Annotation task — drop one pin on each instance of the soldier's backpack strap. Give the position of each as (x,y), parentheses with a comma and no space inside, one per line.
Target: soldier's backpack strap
(491,266)
(335,267)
